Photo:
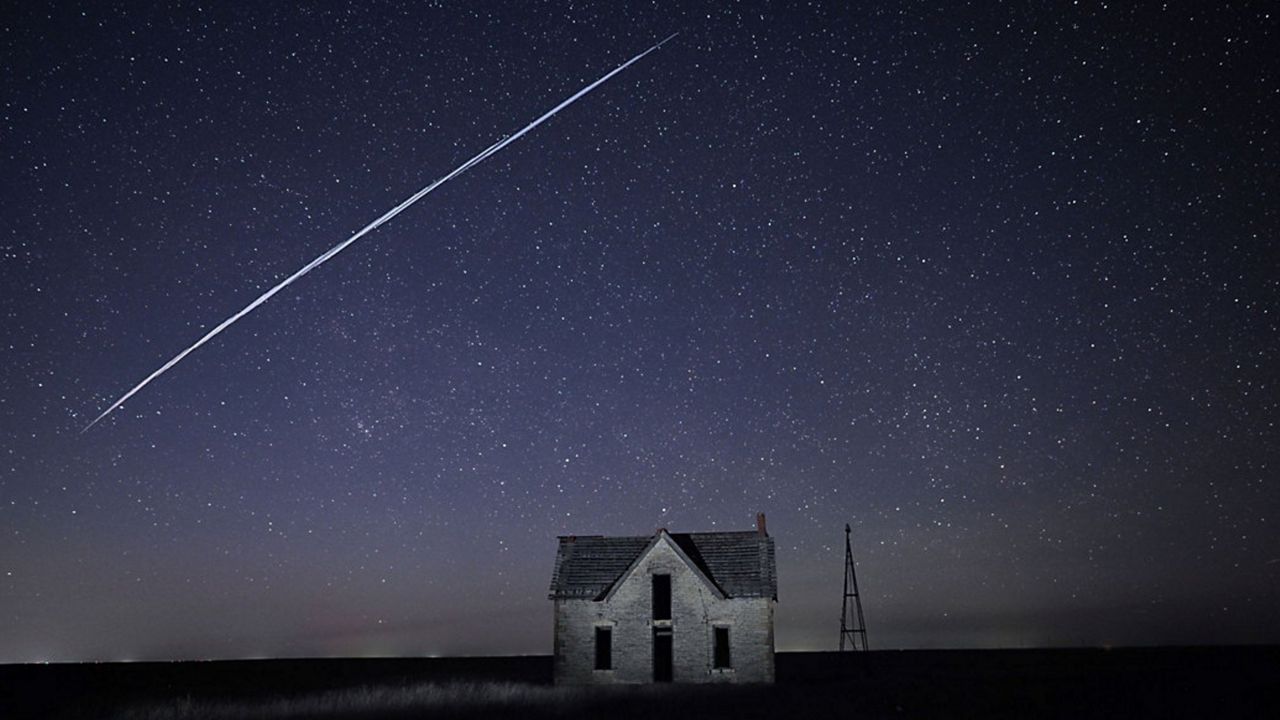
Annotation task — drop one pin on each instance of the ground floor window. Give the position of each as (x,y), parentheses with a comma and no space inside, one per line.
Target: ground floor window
(604,648)
(721,654)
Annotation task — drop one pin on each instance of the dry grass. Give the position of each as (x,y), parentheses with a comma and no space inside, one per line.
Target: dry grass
(527,701)
(1068,684)
(427,699)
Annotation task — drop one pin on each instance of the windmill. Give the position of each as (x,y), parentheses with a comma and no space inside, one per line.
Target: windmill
(853,627)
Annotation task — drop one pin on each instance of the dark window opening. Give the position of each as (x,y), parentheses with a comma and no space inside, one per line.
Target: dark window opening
(722,647)
(604,648)
(661,597)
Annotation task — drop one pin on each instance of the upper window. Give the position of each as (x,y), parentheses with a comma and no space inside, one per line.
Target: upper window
(661,597)
(721,654)
(604,648)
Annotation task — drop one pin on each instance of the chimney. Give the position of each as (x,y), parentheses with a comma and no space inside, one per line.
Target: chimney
(760,527)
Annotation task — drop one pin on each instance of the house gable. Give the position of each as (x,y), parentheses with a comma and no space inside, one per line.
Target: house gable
(663,538)
(738,564)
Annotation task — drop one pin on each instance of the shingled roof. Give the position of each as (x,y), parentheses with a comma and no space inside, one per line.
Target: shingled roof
(741,564)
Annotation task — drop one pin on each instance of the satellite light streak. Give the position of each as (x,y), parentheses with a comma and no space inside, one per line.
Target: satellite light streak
(333,251)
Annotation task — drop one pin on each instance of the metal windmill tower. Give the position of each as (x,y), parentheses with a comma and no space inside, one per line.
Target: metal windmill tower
(852,625)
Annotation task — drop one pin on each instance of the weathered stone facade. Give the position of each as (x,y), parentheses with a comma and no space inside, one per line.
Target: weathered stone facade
(699,605)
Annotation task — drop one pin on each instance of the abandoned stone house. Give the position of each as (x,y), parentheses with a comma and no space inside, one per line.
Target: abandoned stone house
(670,607)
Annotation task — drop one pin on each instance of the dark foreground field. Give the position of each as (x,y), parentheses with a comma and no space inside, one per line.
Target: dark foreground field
(1159,682)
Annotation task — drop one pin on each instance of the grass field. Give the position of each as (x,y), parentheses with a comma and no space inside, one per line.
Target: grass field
(1230,682)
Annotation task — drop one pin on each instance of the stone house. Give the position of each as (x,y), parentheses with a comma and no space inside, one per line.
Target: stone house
(669,607)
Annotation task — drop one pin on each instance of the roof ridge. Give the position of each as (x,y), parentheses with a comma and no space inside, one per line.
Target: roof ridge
(738,562)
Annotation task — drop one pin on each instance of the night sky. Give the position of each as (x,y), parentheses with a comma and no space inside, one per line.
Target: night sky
(997,285)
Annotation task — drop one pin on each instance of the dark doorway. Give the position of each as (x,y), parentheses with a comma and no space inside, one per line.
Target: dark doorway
(662,655)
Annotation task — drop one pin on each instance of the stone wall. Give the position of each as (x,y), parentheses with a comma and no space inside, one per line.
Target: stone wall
(695,611)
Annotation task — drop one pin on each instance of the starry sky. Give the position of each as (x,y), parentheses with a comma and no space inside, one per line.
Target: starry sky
(996,284)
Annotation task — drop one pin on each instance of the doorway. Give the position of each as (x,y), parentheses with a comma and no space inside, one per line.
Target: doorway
(662,664)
